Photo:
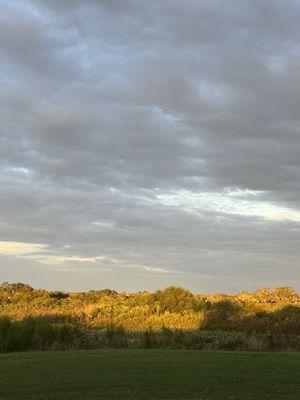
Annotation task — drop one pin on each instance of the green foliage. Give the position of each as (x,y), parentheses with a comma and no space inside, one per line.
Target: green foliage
(175,299)
(38,334)
(115,337)
(16,336)
(56,335)
(147,339)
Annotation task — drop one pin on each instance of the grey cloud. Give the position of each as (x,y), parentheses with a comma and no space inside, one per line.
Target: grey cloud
(106,104)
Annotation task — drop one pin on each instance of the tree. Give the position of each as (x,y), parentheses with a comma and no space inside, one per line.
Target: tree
(176,299)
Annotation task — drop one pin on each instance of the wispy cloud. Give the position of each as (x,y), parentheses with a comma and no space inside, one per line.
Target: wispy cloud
(21,249)
(233,202)
(44,254)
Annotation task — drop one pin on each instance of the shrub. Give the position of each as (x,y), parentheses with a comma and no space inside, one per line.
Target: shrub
(116,337)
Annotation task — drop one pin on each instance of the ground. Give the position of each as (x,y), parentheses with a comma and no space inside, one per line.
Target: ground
(149,374)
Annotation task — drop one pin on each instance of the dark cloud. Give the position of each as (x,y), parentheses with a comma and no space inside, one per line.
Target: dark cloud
(161,136)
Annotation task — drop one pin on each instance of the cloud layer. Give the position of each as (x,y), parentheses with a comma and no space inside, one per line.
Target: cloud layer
(150,143)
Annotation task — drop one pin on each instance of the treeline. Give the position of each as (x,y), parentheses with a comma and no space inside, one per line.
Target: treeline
(174,317)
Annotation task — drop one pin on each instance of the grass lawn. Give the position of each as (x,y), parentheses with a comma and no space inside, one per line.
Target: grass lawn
(149,374)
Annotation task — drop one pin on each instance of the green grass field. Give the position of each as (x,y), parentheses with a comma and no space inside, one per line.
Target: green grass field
(149,374)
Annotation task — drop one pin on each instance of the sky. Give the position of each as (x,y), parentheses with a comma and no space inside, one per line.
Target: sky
(150,143)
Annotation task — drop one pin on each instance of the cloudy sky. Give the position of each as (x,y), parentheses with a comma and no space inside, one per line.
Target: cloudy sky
(148,143)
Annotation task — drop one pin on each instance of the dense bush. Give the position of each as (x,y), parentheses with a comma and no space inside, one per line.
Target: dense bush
(169,318)
(36,334)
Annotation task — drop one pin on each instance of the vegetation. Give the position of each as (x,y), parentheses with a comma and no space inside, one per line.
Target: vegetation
(149,374)
(171,318)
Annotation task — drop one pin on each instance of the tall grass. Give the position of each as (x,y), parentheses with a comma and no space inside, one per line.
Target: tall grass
(43,334)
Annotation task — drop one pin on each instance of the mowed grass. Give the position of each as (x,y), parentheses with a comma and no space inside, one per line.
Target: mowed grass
(149,374)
